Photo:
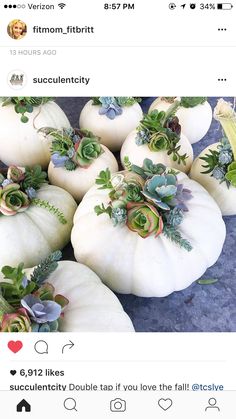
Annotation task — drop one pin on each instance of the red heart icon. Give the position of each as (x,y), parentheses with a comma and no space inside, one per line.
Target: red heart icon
(15,346)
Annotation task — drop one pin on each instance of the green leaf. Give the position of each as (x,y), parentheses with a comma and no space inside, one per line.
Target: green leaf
(100,209)
(207,281)
(104,179)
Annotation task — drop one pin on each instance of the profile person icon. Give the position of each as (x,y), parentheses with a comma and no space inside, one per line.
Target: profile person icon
(212,405)
(17,29)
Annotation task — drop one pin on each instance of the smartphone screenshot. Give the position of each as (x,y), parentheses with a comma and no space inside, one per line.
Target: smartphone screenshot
(117,209)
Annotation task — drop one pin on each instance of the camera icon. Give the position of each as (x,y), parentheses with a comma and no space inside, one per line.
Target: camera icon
(192,6)
(118,405)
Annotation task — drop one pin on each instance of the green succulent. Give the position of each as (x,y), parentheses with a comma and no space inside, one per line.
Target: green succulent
(88,150)
(231,174)
(144,219)
(13,200)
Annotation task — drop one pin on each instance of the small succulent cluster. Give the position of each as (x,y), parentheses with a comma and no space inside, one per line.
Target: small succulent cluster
(23,105)
(29,304)
(220,163)
(188,101)
(73,147)
(148,200)
(161,130)
(112,106)
(18,190)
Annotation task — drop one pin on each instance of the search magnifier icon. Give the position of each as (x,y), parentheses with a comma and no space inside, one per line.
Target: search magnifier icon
(70,404)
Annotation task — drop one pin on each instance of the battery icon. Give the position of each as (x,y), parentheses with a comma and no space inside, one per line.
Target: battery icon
(224,6)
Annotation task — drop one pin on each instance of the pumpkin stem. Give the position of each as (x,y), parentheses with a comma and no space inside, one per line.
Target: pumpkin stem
(225,114)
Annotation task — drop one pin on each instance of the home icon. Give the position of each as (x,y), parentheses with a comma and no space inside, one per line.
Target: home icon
(23,406)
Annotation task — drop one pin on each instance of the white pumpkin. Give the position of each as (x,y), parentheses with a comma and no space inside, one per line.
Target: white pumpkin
(20,143)
(92,306)
(77,182)
(137,153)
(195,122)
(112,131)
(32,235)
(150,267)
(224,196)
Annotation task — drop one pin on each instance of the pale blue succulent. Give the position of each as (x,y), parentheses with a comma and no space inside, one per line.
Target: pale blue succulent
(225,157)
(41,311)
(109,107)
(24,282)
(6,182)
(160,189)
(142,137)
(58,160)
(218,173)
(31,192)
(119,216)
(45,327)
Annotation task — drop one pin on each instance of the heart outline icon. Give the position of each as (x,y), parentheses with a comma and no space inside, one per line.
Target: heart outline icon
(15,346)
(165,404)
(13,372)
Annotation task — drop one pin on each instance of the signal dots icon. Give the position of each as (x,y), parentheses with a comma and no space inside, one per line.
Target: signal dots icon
(14,6)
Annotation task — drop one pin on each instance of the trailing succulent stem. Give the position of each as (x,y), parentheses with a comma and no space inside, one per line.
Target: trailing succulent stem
(53,210)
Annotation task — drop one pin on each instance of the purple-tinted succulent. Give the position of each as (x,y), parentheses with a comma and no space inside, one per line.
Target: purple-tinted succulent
(182,195)
(59,161)
(31,192)
(41,311)
(24,282)
(110,107)
(6,182)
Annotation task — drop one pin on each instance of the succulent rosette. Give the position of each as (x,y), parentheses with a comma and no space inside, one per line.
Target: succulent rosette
(12,199)
(87,150)
(16,322)
(148,200)
(144,219)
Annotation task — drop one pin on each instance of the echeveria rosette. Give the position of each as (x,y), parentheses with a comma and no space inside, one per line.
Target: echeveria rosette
(144,219)
(160,190)
(13,200)
(109,107)
(16,322)
(158,142)
(15,174)
(87,150)
(41,311)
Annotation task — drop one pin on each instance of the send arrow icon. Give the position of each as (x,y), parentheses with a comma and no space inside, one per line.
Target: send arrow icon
(68,346)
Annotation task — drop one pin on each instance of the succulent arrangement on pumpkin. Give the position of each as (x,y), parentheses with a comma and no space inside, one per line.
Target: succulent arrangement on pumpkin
(73,148)
(28,304)
(221,163)
(23,105)
(161,131)
(112,106)
(148,199)
(19,190)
